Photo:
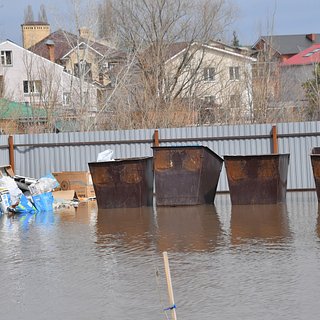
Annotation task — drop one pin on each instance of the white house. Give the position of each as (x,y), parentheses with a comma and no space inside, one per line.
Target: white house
(29,78)
(218,74)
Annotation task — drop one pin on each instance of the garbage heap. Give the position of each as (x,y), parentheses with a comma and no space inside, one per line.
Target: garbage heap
(27,195)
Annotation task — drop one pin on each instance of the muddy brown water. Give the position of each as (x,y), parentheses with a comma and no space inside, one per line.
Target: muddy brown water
(227,262)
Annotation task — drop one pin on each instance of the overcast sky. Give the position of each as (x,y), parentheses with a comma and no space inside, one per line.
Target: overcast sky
(255,17)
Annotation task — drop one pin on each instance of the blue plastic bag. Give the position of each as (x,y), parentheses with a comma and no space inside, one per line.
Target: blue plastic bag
(43,201)
(24,206)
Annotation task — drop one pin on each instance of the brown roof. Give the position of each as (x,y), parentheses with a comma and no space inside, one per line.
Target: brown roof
(169,50)
(64,42)
(290,44)
(175,48)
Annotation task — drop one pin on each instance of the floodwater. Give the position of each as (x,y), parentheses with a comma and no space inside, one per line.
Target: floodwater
(226,262)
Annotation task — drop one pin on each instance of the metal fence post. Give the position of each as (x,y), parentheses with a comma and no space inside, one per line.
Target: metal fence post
(156,138)
(274,139)
(11,152)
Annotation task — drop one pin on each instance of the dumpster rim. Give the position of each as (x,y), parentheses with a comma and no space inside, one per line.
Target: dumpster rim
(191,147)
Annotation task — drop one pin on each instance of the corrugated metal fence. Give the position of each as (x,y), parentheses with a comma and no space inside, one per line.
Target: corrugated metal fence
(37,154)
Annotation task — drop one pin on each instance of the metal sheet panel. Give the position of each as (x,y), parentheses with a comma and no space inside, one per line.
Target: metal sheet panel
(257,179)
(123,183)
(36,155)
(185,175)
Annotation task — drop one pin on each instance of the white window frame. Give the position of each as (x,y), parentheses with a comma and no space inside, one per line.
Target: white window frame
(6,57)
(234,73)
(112,65)
(32,86)
(66,98)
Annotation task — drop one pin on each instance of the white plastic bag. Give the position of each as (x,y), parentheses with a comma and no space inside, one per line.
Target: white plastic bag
(43,185)
(9,183)
(106,155)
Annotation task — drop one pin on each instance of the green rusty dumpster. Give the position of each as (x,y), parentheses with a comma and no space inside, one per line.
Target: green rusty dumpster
(123,183)
(257,179)
(185,175)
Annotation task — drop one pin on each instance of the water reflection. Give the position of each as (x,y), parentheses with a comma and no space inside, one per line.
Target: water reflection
(268,223)
(91,264)
(84,213)
(303,213)
(125,227)
(23,221)
(194,228)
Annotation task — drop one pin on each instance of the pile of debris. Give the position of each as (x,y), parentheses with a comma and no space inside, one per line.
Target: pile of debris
(19,194)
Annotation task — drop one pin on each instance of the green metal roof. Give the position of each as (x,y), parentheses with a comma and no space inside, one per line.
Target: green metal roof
(19,111)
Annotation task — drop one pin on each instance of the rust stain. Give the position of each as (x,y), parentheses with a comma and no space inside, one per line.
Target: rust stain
(130,174)
(162,160)
(237,170)
(192,160)
(103,177)
(316,167)
(267,169)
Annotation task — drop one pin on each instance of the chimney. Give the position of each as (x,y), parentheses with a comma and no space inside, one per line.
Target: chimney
(50,46)
(86,33)
(311,37)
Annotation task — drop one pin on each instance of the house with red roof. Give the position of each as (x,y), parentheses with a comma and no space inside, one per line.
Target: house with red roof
(283,47)
(296,70)
(272,75)
(308,56)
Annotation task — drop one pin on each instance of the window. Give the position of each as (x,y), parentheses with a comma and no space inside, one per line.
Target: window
(259,70)
(6,58)
(209,99)
(235,101)
(309,54)
(112,65)
(30,87)
(209,74)
(234,73)
(66,98)
(83,69)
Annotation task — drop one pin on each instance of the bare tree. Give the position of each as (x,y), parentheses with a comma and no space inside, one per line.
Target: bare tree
(160,82)
(106,23)
(43,14)
(84,63)
(28,14)
(158,90)
(41,87)
(312,91)
(276,90)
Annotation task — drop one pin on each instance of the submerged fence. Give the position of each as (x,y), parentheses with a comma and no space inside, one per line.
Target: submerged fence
(35,155)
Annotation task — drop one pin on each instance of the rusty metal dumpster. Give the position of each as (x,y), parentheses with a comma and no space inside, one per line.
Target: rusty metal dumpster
(123,183)
(185,175)
(257,179)
(315,162)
